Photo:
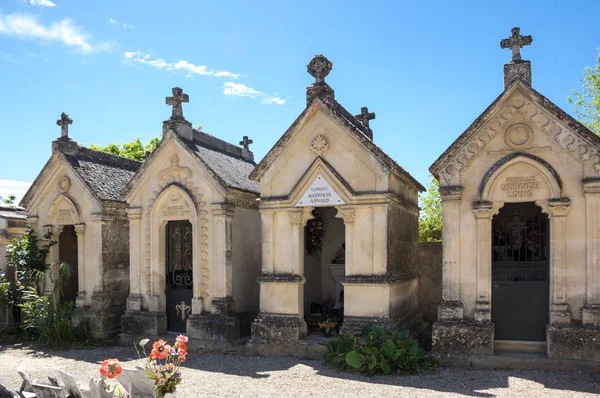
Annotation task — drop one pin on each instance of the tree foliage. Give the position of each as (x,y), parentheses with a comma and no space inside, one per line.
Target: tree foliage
(135,149)
(8,201)
(430,217)
(587,100)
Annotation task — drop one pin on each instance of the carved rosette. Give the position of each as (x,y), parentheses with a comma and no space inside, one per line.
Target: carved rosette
(559,207)
(319,144)
(518,136)
(177,174)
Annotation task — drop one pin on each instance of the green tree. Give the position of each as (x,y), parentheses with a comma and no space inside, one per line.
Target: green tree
(133,150)
(430,217)
(587,100)
(9,201)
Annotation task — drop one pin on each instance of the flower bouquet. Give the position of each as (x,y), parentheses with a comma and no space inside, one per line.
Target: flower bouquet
(162,366)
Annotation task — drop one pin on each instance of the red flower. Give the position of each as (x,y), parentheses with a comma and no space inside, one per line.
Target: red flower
(160,350)
(110,368)
(182,355)
(181,339)
(182,346)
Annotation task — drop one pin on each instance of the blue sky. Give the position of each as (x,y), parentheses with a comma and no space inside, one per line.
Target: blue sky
(427,69)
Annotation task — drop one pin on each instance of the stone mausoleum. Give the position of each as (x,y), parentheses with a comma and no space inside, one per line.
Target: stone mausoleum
(520,193)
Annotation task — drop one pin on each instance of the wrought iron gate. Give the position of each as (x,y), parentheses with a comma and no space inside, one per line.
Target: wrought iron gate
(179,274)
(520,272)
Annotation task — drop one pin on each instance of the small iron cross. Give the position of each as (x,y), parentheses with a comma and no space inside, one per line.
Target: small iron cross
(64,122)
(245,142)
(365,116)
(175,101)
(515,42)
(183,309)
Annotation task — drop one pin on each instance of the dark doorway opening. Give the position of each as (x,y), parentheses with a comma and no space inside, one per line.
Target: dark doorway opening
(67,253)
(520,272)
(179,274)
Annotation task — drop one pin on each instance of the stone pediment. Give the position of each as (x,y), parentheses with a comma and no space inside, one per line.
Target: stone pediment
(513,114)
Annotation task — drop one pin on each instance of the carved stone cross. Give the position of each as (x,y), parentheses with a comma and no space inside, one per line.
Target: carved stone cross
(515,42)
(245,142)
(64,122)
(175,101)
(319,67)
(365,116)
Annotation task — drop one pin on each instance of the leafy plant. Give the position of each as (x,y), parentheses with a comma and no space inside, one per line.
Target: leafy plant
(587,100)
(430,217)
(376,351)
(133,150)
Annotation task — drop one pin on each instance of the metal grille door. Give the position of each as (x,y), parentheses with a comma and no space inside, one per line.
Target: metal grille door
(179,274)
(520,272)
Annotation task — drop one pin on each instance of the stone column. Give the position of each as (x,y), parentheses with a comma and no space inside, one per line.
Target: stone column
(347,214)
(483,213)
(591,310)
(53,254)
(559,309)
(134,301)
(80,231)
(451,306)
(223,266)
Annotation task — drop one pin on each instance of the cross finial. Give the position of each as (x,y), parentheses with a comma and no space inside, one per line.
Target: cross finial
(365,116)
(175,101)
(515,42)
(319,67)
(245,142)
(64,122)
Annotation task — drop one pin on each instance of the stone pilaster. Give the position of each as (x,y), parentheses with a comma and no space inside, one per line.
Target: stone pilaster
(559,309)
(483,213)
(347,214)
(81,268)
(134,301)
(591,310)
(451,307)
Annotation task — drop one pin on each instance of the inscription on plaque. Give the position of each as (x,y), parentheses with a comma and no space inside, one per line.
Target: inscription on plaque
(520,187)
(320,193)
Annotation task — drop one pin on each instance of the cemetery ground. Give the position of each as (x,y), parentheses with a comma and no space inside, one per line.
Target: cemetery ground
(246,376)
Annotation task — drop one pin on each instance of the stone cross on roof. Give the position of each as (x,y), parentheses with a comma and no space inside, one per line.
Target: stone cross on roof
(515,42)
(319,67)
(245,142)
(175,101)
(365,116)
(64,122)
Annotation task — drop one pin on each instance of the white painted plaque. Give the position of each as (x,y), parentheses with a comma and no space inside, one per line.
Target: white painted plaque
(320,193)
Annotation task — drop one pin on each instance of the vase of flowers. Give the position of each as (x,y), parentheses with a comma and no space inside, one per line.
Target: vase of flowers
(162,366)
(328,326)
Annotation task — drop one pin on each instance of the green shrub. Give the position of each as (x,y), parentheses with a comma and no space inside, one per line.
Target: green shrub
(376,351)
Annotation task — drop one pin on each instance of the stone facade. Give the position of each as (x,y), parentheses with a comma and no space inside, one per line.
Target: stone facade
(328,150)
(522,149)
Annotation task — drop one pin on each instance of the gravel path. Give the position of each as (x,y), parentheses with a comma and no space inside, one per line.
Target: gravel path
(239,376)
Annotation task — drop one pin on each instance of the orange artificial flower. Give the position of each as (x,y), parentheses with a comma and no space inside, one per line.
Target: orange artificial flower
(160,350)
(181,339)
(182,347)
(182,355)
(110,368)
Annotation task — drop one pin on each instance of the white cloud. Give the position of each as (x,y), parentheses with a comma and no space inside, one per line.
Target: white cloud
(42,3)
(115,22)
(13,187)
(26,26)
(182,65)
(273,100)
(239,89)
(112,21)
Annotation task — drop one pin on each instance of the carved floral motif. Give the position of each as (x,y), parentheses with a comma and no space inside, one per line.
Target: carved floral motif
(319,144)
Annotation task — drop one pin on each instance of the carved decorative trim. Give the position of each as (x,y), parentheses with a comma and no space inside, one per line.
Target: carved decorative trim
(451,192)
(181,176)
(80,229)
(577,146)
(347,215)
(483,209)
(296,217)
(64,184)
(559,207)
(319,144)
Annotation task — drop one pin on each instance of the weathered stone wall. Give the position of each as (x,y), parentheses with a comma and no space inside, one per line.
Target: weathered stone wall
(115,273)
(402,236)
(430,283)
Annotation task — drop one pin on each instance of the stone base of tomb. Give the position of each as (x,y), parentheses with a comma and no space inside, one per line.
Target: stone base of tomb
(463,337)
(574,341)
(103,316)
(268,328)
(356,324)
(213,327)
(142,323)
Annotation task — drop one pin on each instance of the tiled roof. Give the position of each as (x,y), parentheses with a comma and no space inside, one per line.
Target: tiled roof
(10,212)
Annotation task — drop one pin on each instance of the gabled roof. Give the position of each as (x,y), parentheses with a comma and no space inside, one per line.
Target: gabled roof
(106,175)
(352,125)
(12,212)
(229,164)
(575,126)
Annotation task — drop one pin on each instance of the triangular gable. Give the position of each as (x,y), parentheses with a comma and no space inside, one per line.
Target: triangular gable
(42,178)
(571,134)
(349,124)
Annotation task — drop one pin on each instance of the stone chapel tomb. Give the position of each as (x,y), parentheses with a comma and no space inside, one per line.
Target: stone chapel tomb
(326,167)
(194,236)
(520,195)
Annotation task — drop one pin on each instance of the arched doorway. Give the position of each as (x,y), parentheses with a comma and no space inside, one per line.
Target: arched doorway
(67,253)
(179,276)
(520,272)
